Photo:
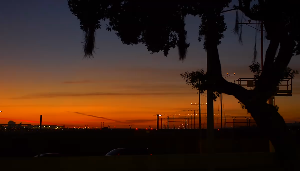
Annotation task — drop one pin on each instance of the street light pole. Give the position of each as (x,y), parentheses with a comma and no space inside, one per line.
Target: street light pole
(168,122)
(41,121)
(157,116)
(221,99)
(195,119)
(199,112)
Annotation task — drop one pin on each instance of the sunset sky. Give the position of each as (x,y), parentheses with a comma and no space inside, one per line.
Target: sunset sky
(43,71)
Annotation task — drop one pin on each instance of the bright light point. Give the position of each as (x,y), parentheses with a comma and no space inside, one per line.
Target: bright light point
(0,111)
(196,114)
(205,103)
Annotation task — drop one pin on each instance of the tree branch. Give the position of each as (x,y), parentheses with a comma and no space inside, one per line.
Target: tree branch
(271,77)
(246,10)
(239,92)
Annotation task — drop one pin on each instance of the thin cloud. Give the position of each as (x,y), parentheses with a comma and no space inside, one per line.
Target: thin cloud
(140,120)
(58,95)
(78,82)
(99,117)
(30,121)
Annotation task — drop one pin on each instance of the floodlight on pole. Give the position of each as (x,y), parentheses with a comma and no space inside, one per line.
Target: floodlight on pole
(221,100)
(157,117)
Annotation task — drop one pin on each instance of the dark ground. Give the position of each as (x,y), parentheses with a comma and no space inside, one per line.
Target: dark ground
(24,143)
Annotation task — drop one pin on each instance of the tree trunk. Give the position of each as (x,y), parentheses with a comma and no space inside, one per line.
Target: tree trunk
(274,127)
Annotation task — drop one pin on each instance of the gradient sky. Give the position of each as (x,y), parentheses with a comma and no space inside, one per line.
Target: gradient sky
(43,71)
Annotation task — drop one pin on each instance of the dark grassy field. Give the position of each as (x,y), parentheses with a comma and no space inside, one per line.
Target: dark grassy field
(25,143)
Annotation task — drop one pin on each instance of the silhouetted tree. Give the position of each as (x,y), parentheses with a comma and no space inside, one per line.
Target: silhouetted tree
(159,25)
(255,68)
(197,79)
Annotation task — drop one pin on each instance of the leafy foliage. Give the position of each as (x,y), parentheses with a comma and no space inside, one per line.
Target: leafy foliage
(288,73)
(198,80)
(286,12)
(159,25)
(255,68)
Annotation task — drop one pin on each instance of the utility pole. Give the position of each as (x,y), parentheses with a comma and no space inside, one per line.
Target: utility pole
(262,44)
(221,99)
(195,119)
(261,40)
(157,118)
(168,122)
(199,113)
(41,118)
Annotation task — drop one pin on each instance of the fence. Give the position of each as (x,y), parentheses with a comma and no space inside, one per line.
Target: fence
(188,122)
(237,122)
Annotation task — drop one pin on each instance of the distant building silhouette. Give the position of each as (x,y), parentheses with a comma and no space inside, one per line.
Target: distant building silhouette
(11,124)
